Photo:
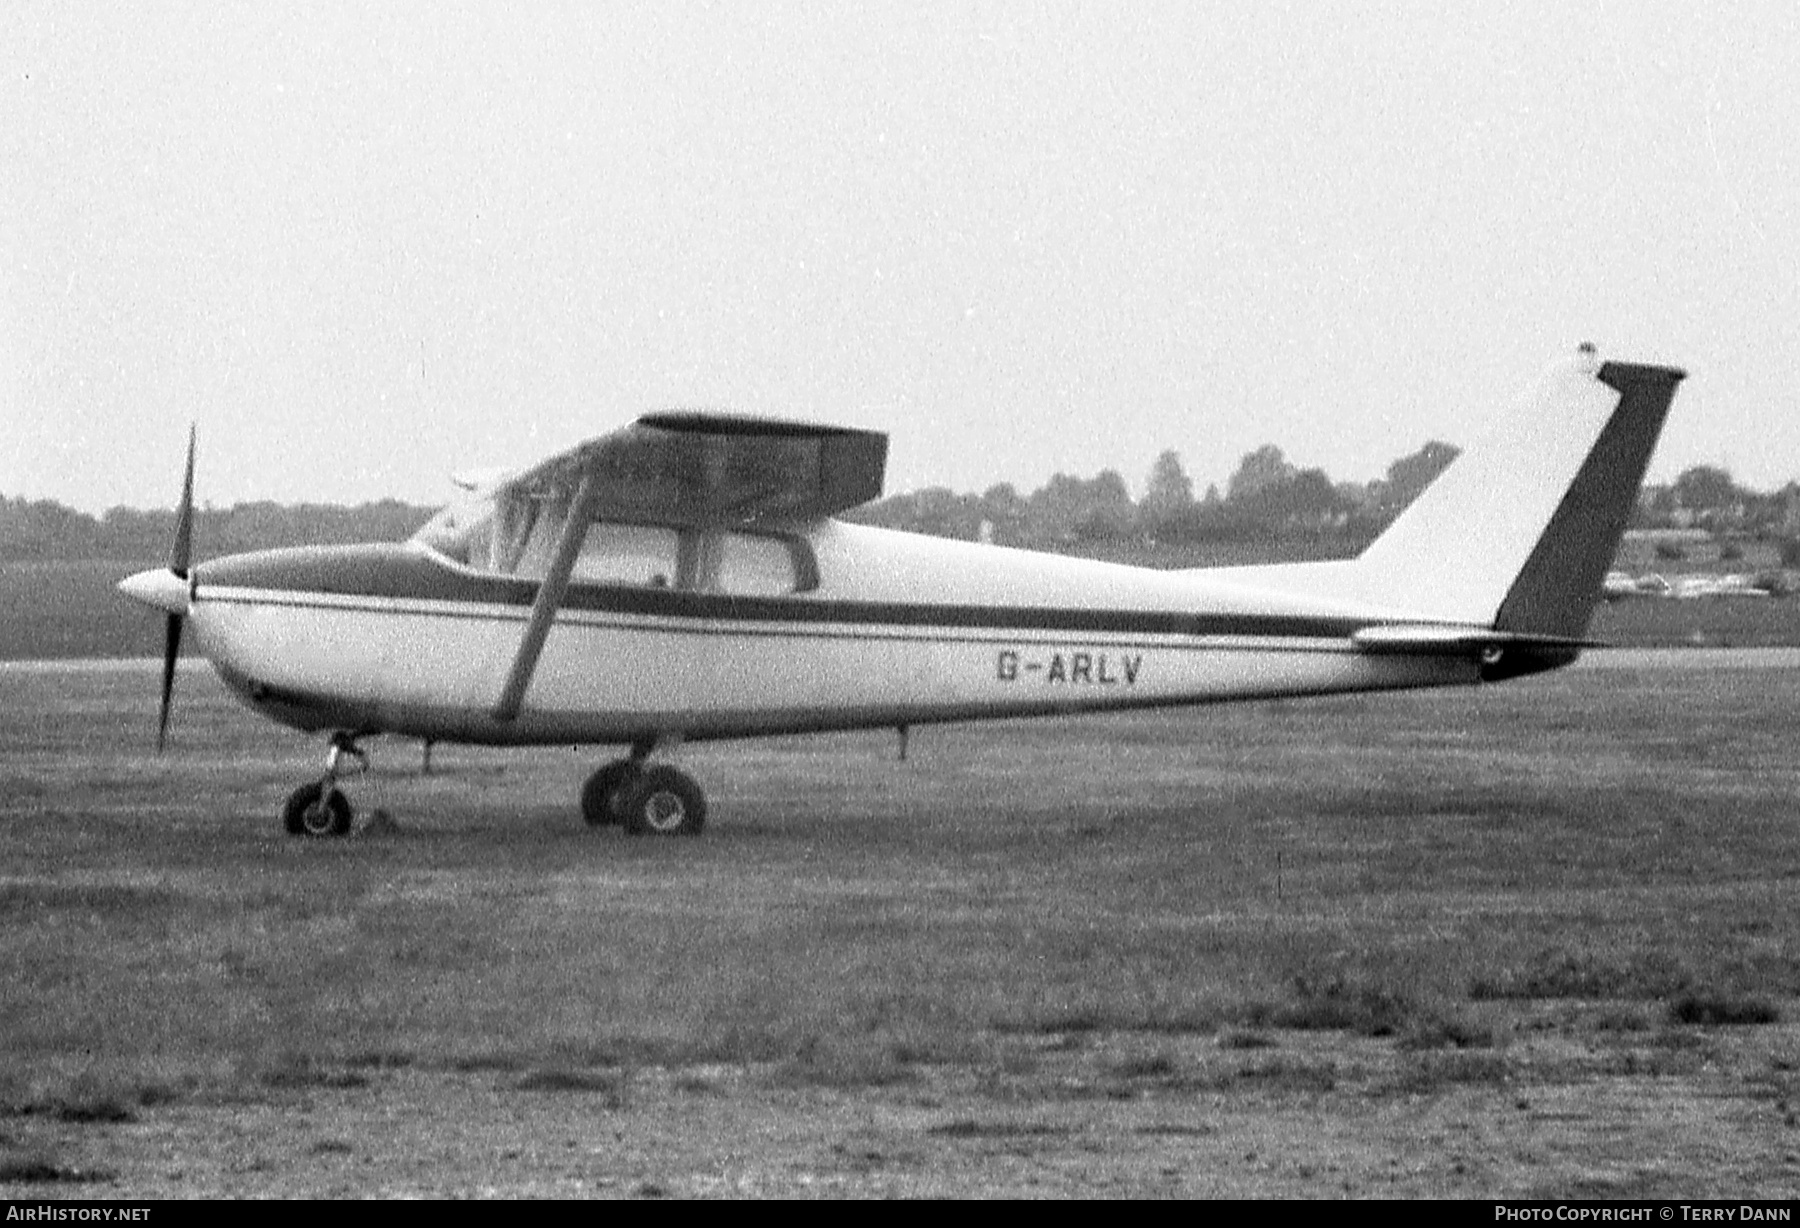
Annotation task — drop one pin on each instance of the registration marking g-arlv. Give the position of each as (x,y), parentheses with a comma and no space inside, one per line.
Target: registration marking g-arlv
(1073,668)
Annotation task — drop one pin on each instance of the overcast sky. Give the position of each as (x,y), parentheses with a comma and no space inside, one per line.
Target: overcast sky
(365,246)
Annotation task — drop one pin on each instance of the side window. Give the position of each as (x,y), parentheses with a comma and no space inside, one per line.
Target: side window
(756,566)
(628,554)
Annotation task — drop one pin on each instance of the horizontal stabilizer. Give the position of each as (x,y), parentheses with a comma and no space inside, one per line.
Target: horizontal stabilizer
(1502,654)
(1414,639)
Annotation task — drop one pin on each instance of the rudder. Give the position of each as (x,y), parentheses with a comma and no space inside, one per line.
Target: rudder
(1555,591)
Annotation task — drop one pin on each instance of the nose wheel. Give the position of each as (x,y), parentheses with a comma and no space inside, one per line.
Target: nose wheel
(316,811)
(319,809)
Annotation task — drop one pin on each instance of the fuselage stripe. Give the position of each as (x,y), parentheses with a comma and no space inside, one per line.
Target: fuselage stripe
(1215,631)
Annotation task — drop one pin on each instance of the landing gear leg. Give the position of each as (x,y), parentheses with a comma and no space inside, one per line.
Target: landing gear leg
(320,809)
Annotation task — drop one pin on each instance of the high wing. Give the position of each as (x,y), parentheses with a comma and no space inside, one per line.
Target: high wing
(687,469)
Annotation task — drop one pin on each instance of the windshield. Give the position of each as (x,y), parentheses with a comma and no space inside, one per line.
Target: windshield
(505,532)
(461,532)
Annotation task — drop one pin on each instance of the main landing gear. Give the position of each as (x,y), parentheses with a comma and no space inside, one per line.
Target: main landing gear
(647,799)
(320,809)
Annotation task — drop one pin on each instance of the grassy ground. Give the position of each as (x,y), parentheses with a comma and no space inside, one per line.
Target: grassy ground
(1705,622)
(1561,892)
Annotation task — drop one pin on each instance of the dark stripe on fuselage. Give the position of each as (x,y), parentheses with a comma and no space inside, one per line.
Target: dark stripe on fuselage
(400,573)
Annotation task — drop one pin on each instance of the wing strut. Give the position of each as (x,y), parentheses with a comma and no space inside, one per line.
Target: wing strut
(549,599)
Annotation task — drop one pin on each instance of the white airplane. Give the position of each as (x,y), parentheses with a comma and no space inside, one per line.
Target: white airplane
(684,579)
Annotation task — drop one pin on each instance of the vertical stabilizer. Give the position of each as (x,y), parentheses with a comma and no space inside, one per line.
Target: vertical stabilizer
(1519,531)
(1517,534)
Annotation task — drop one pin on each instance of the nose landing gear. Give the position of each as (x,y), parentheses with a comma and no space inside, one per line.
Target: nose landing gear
(319,809)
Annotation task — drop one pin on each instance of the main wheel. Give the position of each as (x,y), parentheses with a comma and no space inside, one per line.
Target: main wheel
(601,795)
(663,801)
(312,811)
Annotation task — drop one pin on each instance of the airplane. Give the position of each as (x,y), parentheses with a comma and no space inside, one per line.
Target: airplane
(687,578)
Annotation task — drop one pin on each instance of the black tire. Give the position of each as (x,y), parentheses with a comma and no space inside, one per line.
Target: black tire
(600,796)
(663,801)
(312,812)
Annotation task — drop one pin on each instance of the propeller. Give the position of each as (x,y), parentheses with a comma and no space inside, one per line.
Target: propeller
(181,552)
(169,589)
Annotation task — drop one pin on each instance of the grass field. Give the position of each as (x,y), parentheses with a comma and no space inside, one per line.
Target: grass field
(1487,943)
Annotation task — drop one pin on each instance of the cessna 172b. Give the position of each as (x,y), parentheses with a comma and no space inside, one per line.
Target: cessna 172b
(684,578)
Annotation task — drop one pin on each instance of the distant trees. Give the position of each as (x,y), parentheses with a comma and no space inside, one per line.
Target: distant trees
(1258,473)
(48,530)
(1004,512)
(1266,496)
(1169,494)
(1706,488)
(43,529)
(1707,497)
(1274,496)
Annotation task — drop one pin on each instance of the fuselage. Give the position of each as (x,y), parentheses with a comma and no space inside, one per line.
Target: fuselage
(806,627)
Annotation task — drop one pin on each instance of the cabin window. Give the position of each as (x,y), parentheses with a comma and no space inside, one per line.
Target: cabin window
(628,554)
(752,565)
(611,553)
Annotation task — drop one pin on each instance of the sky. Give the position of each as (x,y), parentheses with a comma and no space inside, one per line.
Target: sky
(364,247)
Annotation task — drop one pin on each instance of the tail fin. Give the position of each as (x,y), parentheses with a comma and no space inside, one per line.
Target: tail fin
(1517,534)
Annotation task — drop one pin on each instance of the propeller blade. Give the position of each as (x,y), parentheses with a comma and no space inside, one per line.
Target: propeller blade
(181,550)
(181,558)
(171,650)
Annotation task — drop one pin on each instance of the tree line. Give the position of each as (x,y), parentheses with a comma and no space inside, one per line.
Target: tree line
(1706,497)
(1267,498)
(46,530)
